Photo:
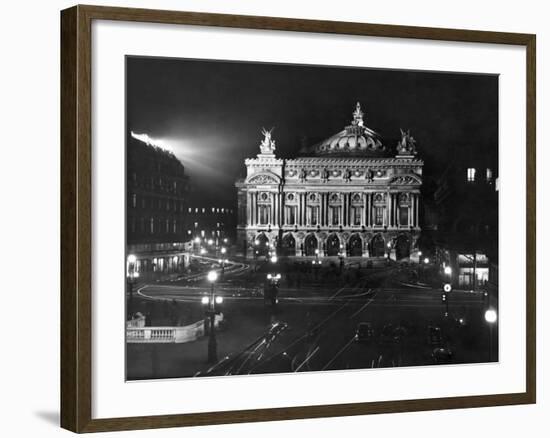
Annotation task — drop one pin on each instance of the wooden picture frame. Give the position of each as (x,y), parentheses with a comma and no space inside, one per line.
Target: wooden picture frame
(76,218)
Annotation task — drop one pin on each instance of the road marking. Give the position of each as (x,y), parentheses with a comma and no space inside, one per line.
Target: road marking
(339,353)
(363,307)
(313,353)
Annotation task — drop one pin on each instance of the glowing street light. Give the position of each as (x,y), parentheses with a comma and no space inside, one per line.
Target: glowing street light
(212,276)
(274,259)
(426,260)
(491,319)
(448,270)
(491,316)
(197,240)
(210,241)
(223,250)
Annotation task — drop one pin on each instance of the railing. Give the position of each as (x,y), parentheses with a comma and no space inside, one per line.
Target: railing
(165,335)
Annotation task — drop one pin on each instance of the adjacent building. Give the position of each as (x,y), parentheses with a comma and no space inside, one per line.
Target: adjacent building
(466,198)
(349,195)
(156,189)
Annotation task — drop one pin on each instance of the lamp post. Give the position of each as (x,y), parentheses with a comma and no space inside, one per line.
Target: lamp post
(491,319)
(131,275)
(211,311)
(272,289)
(223,251)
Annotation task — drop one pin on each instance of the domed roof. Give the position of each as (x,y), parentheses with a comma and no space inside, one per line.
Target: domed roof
(355,140)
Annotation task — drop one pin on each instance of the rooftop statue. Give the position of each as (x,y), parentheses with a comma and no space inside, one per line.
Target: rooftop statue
(358,116)
(407,144)
(267,146)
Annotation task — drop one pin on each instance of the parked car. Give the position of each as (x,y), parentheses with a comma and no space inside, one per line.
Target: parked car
(442,355)
(364,332)
(435,337)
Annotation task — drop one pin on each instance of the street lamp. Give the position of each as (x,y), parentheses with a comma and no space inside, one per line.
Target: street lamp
(448,270)
(426,260)
(491,318)
(272,289)
(273,259)
(131,275)
(210,303)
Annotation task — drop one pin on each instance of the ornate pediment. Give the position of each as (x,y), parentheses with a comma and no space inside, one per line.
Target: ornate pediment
(406,180)
(263,178)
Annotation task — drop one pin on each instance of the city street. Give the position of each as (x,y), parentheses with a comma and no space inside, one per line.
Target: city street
(314,327)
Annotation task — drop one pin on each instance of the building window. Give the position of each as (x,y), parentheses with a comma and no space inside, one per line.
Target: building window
(134,200)
(152,225)
(335,215)
(133,225)
(312,215)
(489,175)
(174,226)
(264,214)
(290,214)
(471,174)
(357,215)
(403,215)
(379,215)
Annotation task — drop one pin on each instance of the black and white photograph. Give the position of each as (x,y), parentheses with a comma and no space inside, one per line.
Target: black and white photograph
(285,218)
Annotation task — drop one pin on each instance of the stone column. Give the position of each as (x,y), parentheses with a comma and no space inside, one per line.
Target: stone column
(302,209)
(364,219)
(417,223)
(248,208)
(253,209)
(272,212)
(391,218)
(369,210)
(411,210)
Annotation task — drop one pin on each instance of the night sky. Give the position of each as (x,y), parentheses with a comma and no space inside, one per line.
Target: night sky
(211,113)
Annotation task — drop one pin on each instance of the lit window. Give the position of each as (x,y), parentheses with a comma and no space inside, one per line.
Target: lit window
(196,210)
(196,224)
(202,233)
(471,175)
(357,213)
(335,215)
(378,215)
(203,210)
(264,214)
(189,210)
(489,175)
(134,200)
(312,215)
(213,209)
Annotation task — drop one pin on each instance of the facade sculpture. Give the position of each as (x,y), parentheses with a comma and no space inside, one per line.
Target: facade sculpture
(346,196)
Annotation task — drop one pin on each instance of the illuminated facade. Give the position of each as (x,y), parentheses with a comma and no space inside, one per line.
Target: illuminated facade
(345,196)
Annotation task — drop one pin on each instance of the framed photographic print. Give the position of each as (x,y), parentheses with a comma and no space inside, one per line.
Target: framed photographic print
(268,218)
